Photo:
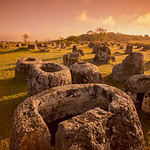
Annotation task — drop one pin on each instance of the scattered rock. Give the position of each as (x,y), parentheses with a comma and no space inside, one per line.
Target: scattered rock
(137,87)
(71,58)
(32,46)
(85,73)
(81,51)
(18,45)
(47,75)
(113,58)
(129,49)
(2,46)
(133,64)
(63,45)
(23,66)
(91,45)
(101,58)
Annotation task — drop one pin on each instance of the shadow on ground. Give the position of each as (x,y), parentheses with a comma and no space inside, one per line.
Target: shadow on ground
(14,50)
(11,86)
(109,81)
(6,113)
(49,59)
(147,66)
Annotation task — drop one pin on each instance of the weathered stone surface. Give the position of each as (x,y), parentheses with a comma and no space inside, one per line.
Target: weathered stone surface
(23,66)
(116,126)
(129,49)
(101,58)
(85,73)
(139,85)
(71,58)
(133,64)
(47,75)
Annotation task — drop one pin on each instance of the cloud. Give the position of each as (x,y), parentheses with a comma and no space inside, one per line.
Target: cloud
(82,17)
(109,21)
(85,19)
(143,19)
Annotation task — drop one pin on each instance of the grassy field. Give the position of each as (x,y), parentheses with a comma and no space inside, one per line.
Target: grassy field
(13,92)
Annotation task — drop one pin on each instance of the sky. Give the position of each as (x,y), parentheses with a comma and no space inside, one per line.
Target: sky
(51,19)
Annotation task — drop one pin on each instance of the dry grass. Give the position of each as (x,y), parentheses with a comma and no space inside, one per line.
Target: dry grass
(13,92)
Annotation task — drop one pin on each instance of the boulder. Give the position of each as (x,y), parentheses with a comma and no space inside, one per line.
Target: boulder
(87,116)
(101,58)
(137,87)
(74,49)
(81,51)
(85,73)
(133,64)
(129,49)
(71,58)
(47,75)
(23,66)
(103,48)
(32,46)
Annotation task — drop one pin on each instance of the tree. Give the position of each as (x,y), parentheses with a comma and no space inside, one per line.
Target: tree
(25,36)
(146,36)
(90,32)
(73,39)
(101,30)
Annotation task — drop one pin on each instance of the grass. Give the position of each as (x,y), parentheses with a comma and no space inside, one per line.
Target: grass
(12,92)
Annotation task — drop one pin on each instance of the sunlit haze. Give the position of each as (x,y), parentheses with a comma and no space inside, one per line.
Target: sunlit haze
(50,19)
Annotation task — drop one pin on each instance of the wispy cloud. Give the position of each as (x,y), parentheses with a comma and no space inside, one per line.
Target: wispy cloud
(83,17)
(143,19)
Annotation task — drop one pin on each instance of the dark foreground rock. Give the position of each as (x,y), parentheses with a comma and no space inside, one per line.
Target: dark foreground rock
(40,122)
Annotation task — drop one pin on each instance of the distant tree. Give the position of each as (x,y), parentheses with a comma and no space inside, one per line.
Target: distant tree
(73,39)
(101,30)
(90,32)
(146,36)
(25,36)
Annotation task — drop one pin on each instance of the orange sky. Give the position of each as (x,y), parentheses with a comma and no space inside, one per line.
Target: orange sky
(49,19)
